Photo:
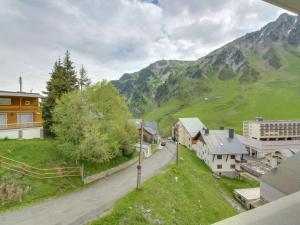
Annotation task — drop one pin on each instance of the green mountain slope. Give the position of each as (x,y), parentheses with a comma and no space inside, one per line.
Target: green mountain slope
(257,74)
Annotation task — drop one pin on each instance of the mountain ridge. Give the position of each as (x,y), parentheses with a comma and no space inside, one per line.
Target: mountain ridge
(254,58)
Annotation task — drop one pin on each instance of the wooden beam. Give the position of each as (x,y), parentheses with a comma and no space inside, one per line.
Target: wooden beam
(291,5)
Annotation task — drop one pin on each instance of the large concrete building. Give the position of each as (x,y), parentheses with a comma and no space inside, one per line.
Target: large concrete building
(222,151)
(262,137)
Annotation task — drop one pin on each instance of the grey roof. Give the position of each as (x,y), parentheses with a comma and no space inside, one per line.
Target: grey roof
(192,125)
(20,94)
(284,211)
(150,126)
(286,177)
(218,142)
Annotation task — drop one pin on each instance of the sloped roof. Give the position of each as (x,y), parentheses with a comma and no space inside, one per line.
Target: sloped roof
(286,177)
(192,125)
(20,94)
(218,142)
(150,126)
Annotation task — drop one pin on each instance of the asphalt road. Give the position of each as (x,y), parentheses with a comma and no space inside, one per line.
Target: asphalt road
(85,205)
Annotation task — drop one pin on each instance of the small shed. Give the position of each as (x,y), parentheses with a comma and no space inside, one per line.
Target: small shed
(247,196)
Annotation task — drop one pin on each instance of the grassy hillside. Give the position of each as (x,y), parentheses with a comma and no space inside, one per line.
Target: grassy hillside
(275,96)
(184,194)
(41,154)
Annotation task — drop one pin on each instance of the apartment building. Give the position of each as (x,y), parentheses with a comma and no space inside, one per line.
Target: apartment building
(262,137)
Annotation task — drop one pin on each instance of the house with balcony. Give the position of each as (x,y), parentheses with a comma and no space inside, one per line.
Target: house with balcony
(222,151)
(20,115)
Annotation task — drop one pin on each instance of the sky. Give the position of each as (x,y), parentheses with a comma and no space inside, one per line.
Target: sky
(113,37)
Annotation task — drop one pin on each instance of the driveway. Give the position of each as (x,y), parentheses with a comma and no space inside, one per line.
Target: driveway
(85,205)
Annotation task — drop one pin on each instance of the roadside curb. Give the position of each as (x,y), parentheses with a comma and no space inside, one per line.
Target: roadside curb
(109,172)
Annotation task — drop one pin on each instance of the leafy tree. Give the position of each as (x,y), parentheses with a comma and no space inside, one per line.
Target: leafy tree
(83,80)
(92,125)
(63,79)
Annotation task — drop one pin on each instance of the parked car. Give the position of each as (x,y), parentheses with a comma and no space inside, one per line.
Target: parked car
(163,143)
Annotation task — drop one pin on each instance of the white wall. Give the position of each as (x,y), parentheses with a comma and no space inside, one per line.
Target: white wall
(269,193)
(28,133)
(204,154)
(184,137)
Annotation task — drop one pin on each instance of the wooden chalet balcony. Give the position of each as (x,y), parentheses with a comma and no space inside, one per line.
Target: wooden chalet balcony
(20,125)
(20,108)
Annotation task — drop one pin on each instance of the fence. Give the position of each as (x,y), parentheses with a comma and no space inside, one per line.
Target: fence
(34,172)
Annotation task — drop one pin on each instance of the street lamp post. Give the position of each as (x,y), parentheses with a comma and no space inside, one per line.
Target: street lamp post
(139,166)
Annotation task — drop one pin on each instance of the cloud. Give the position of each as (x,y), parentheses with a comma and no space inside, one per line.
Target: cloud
(116,36)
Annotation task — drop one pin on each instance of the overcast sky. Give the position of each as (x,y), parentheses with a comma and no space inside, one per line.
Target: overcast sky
(111,37)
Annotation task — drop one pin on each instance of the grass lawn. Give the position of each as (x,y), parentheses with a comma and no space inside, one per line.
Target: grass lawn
(184,194)
(42,154)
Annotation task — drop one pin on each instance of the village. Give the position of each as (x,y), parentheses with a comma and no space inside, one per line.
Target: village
(171,113)
(264,152)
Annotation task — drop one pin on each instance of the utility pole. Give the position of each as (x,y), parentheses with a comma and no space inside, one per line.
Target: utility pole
(139,166)
(177,144)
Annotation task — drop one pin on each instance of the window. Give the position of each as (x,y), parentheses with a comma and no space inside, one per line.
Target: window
(5,101)
(27,102)
(219,166)
(232,166)
(232,156)
(219,156)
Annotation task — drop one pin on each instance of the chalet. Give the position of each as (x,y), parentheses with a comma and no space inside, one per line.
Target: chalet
(188,131)
(222,151)
(20,115)
(150,131)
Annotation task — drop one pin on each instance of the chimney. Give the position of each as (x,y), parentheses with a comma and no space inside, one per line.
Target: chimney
(222,128)
(206,131)
(20,83)
(231,133)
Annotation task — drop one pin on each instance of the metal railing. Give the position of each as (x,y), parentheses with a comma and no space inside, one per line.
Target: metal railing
(20,125)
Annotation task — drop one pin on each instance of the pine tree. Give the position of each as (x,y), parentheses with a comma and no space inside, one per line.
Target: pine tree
(63,79)
(84,80)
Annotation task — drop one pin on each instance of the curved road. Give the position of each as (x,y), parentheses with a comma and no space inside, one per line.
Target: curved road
(85,205)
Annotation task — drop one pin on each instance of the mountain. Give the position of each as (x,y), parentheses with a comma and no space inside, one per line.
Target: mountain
(256,74)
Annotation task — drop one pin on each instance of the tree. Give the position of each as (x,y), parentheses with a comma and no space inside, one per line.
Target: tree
(92,124)
(63,79)
(83,80)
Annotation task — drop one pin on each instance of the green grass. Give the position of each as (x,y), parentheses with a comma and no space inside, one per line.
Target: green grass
(44,154)
(194,198)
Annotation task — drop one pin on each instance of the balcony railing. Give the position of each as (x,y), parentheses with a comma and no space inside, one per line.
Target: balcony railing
(20,125)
